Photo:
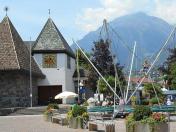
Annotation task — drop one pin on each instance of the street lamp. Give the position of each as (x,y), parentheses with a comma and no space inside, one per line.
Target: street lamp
(30,73)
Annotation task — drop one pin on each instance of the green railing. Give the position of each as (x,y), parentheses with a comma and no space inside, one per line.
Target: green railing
(128,108)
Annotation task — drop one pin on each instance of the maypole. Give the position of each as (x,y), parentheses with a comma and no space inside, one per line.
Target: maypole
(105,24)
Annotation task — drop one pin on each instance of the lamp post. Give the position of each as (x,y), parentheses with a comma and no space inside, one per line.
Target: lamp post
(30,78)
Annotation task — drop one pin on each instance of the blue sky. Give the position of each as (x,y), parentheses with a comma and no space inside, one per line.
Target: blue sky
(75,18)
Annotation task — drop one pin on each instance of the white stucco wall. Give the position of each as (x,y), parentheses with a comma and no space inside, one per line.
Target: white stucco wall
(69,83)
(58,76)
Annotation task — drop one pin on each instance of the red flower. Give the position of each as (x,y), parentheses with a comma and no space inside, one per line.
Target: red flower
(158,116)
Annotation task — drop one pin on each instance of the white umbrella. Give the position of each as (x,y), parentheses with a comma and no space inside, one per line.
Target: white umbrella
(91,100)
(66,94)
(164,89)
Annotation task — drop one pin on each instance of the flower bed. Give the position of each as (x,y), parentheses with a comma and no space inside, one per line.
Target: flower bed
(49,111)
(76,116)
(143,120)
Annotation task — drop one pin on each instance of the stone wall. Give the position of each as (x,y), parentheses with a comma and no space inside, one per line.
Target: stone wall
(15,89)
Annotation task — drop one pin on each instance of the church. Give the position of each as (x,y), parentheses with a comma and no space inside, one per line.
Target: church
(49,65)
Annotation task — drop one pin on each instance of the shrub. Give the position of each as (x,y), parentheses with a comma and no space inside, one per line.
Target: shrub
(141,112)
(49,109)
(48,112)
(78,110)
(85,103)
(69,114)
(85,116)
(154,100)
(145,102)
(133,100)
(52,106)
(130,122)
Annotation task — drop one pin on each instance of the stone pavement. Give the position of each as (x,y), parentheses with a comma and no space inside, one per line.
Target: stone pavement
(36,123)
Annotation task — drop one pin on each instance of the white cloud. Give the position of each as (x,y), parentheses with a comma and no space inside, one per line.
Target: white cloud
(91,18)
(110,9)
(165,10)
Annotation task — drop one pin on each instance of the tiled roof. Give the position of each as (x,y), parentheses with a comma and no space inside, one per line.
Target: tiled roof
(51,40)
(82,72)
(14,54)
(138,79)
(28,43)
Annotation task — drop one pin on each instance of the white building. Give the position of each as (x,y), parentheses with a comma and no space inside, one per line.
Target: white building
(57,62)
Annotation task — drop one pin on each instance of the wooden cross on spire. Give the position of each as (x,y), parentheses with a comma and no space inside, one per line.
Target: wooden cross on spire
(6,9)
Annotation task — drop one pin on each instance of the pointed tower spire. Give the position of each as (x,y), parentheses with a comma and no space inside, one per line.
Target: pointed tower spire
(50,40)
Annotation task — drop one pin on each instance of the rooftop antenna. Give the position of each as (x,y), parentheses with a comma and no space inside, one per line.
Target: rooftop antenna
(6,9)
(49,12)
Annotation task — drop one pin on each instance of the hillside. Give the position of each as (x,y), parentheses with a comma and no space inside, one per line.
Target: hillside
(149,32)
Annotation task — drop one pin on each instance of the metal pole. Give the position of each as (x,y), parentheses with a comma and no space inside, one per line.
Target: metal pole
(165,44)
(114,95)
(97,71)
(78,74)
(30,73)
(114,64)
(131,67)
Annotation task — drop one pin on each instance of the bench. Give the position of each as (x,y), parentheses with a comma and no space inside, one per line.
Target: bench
(100,116)
(92,126)
(108,126)
(60,119)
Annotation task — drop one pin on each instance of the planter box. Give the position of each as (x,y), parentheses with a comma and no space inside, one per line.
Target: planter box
(76,123)
(48,117)
(140,127)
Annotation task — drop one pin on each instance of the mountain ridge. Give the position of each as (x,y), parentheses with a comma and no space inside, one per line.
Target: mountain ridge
(149,32)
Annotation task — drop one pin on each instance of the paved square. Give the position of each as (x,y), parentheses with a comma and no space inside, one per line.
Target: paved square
(36,123)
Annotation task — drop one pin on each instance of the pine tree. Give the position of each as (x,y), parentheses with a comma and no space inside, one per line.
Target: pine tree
(102,59)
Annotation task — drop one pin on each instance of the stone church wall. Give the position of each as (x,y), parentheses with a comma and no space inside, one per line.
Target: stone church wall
(15,90)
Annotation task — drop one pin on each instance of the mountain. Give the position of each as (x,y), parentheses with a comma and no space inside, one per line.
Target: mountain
(148,31)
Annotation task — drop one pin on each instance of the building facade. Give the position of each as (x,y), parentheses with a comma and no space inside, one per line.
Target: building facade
(15,88)
(52,66)
(56,60)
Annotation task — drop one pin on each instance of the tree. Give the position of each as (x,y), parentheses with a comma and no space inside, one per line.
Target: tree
(103,88)
(102,59)
(149,93)
(83,62)
(149,90)
(169,69)
(172,76)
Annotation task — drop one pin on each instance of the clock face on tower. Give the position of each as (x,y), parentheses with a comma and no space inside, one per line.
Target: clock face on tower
(49,61)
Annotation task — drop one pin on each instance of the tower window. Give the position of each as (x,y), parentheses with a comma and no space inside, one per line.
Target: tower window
(68,62)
